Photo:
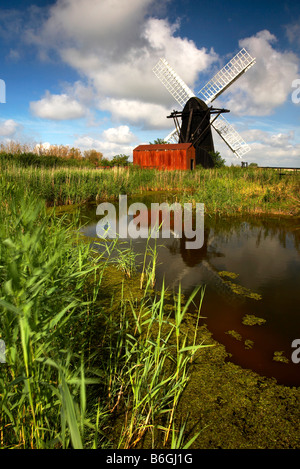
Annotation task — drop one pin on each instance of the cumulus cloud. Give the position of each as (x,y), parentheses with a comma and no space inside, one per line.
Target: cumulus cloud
(267,85)
(182,53)
(85,23)
(8,128)
(275,140)
(111,142)
(267,148)
(127,74)
(272,155)
(109,149)
(137,112)
(57,107)
(120,135)
(114,45)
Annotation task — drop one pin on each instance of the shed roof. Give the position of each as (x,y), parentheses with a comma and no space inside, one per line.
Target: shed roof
(165,146)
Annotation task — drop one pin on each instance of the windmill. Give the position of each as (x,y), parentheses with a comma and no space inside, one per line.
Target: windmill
(197,114)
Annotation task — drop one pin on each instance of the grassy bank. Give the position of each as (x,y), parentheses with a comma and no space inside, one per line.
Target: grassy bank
(229,190)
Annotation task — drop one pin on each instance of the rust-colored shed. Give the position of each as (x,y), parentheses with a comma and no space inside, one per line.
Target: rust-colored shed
(165,156)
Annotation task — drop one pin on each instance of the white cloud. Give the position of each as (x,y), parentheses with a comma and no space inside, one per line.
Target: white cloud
(276,140)
(8,128)
(39,147)
(57,107)
(269,155)
(111,142)
(267,148)
(267,85)
(273,149)
(182,53)
(88,23)
(120,135)
(109,149)
(114,45)
(135,112)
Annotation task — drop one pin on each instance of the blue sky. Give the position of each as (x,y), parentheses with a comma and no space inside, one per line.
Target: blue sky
(79,72)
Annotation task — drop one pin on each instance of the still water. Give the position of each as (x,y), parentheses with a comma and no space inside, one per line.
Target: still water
(249,266)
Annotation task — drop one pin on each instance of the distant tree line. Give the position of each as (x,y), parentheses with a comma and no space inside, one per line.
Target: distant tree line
(58,156)
(118,160)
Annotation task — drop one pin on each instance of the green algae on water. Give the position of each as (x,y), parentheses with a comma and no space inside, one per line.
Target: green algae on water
(238,289)
(243,291)
(224,273)
(252,320)
(248,344)
(234,334)
(280,357)
(234,407)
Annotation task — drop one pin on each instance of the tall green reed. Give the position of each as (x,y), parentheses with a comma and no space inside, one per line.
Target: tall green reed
(44,316)
(156,357)
(72,360)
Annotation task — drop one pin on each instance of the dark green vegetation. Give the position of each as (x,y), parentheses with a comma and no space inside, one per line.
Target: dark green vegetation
(32,160)
(92,359)
(219,162)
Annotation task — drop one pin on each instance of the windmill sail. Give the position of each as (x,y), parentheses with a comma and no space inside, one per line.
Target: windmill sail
(172,137)
(238,65)
(174,84)
(231,137)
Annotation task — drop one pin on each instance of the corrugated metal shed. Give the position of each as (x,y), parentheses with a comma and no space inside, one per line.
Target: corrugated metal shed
(165,156)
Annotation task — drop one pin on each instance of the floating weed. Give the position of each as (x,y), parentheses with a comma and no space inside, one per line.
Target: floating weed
(234,334)
(280,357)
(243,291)
(224,273)
(248,344)
(252,320)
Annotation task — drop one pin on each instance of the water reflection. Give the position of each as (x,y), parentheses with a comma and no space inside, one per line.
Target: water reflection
(264,252)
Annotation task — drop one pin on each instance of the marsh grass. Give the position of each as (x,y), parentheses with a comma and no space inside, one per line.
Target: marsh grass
(45,316)
(229,190)
(77,352)
(155,372)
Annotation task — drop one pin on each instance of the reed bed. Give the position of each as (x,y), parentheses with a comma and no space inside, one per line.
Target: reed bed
(229,190)
(80,358)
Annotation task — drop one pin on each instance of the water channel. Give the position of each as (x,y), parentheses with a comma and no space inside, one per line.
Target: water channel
(251,269)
